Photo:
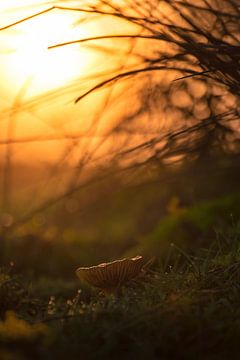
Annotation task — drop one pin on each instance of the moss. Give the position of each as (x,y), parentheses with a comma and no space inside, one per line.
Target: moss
(194,226)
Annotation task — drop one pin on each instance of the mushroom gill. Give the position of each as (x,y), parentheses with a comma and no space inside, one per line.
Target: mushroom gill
(111,276)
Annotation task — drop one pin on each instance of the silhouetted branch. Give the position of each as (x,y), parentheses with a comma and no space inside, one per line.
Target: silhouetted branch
(132,73)
(127,36)
(198,53)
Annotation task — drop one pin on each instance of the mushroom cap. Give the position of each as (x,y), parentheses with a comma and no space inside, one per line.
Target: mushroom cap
(111,275)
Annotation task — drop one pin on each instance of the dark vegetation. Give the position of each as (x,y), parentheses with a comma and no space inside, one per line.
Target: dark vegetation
(187,307)
(171,193)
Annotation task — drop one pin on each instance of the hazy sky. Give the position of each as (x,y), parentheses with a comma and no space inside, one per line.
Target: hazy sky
(38,86)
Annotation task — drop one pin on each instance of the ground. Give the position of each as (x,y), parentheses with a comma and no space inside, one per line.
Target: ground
(185,308)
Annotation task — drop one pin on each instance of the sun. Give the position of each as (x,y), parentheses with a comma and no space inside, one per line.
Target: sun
(46,69)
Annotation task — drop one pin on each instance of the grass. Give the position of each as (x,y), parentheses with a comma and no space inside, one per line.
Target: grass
(137,221)
(186,308)
(187,305)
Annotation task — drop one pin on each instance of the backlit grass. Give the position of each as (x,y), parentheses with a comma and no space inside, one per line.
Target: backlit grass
(186,308)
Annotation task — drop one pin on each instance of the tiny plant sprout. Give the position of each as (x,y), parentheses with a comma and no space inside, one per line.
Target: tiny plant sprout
(111,276)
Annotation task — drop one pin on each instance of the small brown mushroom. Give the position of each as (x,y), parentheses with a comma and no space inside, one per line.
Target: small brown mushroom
(111,276)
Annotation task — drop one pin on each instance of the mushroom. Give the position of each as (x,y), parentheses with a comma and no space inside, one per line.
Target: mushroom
(111,276)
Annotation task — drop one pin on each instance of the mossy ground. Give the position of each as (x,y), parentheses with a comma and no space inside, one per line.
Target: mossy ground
(184,308)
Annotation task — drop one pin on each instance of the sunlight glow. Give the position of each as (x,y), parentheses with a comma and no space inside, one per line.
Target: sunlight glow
(32,61)
(39,85)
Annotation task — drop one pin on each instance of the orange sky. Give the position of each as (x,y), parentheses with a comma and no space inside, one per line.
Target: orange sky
(38,86)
